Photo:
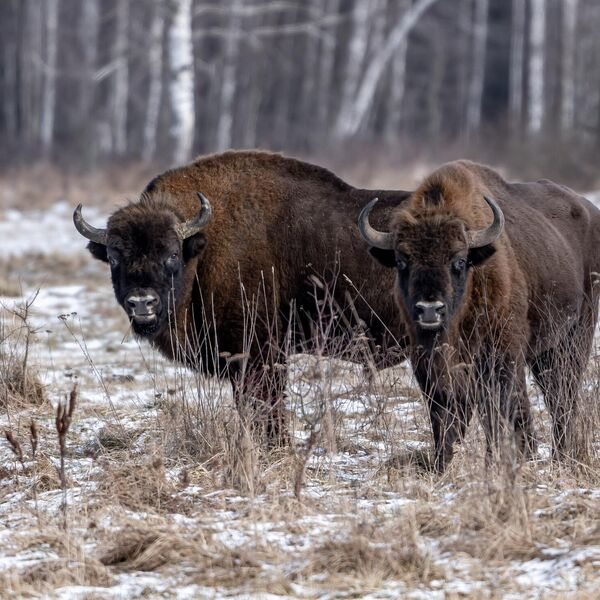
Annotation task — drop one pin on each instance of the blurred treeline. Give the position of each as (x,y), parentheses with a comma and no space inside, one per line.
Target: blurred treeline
(90,81)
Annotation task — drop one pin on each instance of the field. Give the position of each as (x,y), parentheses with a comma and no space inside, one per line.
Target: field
(165,494)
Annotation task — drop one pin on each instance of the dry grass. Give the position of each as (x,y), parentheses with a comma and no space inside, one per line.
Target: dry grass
(171,481)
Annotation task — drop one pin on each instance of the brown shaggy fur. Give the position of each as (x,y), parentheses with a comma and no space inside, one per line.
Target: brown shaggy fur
(277,224)
(529,299)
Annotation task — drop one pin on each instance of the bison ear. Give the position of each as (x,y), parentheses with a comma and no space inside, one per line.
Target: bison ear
(193,246)
(477,256)
(98,251)
(387,258)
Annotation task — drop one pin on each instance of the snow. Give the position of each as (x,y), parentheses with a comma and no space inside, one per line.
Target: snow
(83,337)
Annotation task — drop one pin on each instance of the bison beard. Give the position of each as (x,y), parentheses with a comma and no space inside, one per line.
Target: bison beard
(224,286)
(480,302)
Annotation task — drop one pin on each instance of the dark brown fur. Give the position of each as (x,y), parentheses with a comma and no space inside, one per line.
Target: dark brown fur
(529,299)
(277,222)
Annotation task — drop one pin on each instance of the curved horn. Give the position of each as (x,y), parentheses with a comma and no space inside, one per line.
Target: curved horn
(483,237)
(378,239)
(193,226)
(86,230)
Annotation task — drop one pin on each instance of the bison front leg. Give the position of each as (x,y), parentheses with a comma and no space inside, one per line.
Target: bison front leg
(450,418)
(259,392)
(504,406)
(450,411)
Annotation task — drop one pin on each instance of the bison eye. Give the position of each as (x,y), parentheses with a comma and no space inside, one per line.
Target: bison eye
(113,260)
(174,256)
(459,264)
(401,264)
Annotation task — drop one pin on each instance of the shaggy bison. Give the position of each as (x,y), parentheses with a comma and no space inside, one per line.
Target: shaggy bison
(228,262)
(492,276)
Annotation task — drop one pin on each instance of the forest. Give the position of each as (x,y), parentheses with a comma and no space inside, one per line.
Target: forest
(158,81)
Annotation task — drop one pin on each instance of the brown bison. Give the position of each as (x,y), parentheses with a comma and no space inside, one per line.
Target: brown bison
(229,261)
(492,276)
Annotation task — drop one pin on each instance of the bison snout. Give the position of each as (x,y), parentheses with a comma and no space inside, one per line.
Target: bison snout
(430,314)
(142,305)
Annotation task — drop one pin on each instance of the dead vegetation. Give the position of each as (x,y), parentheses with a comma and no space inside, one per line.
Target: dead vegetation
(164,478)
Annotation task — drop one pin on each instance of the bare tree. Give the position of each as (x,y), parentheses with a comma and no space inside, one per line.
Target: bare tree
(228,82)
(49,92)
(517,54)
(121,79)
(351,115)
(155,60)
(537,40)
(181,53)
(569,8)
(475,97)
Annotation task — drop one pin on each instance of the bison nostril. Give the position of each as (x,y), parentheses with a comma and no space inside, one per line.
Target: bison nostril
(430,311)
(141,304)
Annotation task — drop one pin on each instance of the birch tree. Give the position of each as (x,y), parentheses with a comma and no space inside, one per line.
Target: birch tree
(120,79)
(181,87)
(155,64)
(352,115)
(567,108)
(475,94)
(517,57)
(537,39)
(228,83)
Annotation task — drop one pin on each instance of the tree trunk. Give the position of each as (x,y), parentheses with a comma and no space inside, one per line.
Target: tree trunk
(181,53)
(357,50)
(537,38)
(327,70)
(121,79)
(351,116)
(49,90)
(89,28)
(228,82)
(475,94)
(517,57)
(567,107)
(397,89)
(155,60)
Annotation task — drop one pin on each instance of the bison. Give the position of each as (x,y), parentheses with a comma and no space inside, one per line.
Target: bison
(492,276)
(231,260)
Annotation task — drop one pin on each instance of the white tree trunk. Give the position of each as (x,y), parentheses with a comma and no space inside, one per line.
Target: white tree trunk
(326,68)
(537,39)
(357,50)
(155,63)
(397,88)
(228,83)
(517,54)
(49,89)
(351,117)
(121,79)
(181,53)
(89,38)
(567,109)
(475,95)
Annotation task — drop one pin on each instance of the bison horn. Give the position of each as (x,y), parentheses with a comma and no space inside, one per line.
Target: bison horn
(378,239)
(193,226)
(483,237)
(86,230)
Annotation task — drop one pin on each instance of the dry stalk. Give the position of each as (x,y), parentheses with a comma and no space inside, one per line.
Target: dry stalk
(33,439)
(64,414)
(15,446)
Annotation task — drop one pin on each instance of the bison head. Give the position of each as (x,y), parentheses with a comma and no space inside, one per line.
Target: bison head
(147,245)
(432,252)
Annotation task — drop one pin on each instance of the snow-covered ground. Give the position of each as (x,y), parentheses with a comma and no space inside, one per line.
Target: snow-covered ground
(149,516)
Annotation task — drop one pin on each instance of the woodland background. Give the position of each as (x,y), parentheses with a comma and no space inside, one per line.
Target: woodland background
(91,83)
